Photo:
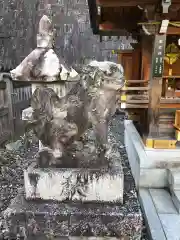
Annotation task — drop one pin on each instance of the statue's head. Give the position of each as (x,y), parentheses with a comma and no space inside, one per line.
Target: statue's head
(106,75)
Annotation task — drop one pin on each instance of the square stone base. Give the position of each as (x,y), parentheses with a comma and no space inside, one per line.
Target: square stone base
(87,185)
(43,219)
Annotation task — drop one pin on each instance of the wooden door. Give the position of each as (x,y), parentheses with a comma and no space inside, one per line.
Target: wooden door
(130,61)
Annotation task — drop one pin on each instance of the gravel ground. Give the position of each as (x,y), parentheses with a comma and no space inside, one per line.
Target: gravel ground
(125,162)
(12,164)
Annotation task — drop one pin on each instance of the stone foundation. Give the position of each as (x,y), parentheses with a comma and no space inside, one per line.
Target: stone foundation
(70,219)
(42,219)
(157,177)
(150,167)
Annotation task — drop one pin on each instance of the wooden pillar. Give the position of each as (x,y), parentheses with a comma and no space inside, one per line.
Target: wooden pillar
(146,57)
(157,66)
(146,61)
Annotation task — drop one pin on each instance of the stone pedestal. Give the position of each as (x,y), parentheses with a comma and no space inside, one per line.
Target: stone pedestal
(98,212)
(64,220)
(76,187)
(87,185)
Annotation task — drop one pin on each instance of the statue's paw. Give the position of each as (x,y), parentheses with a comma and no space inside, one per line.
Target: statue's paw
(44,158)
(81,192)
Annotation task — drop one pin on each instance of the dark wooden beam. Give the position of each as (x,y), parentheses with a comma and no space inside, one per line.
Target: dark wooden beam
(162,106)
(93,16)
(124,3)
(118,32)
(173,30)
(170,105)
(110,28)
(127,3)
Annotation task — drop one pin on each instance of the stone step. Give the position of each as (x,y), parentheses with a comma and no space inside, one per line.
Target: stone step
(174,179)
(40,219)
(88,185)
(152,220)
(176,199)
(162,200)
(78,238)
(174,186)
(161,216)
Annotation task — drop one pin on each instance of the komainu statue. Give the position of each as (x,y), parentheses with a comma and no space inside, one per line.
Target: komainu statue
(78,175)
(61,122)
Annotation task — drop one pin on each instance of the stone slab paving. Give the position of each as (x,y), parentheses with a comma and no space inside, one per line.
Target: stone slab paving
(171,225)
(176,200)
(153,222)
(174,178)
(162,201)
(161,215)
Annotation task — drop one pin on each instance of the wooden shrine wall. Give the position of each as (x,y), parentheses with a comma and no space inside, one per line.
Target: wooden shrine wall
(146,58)
(130,61)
